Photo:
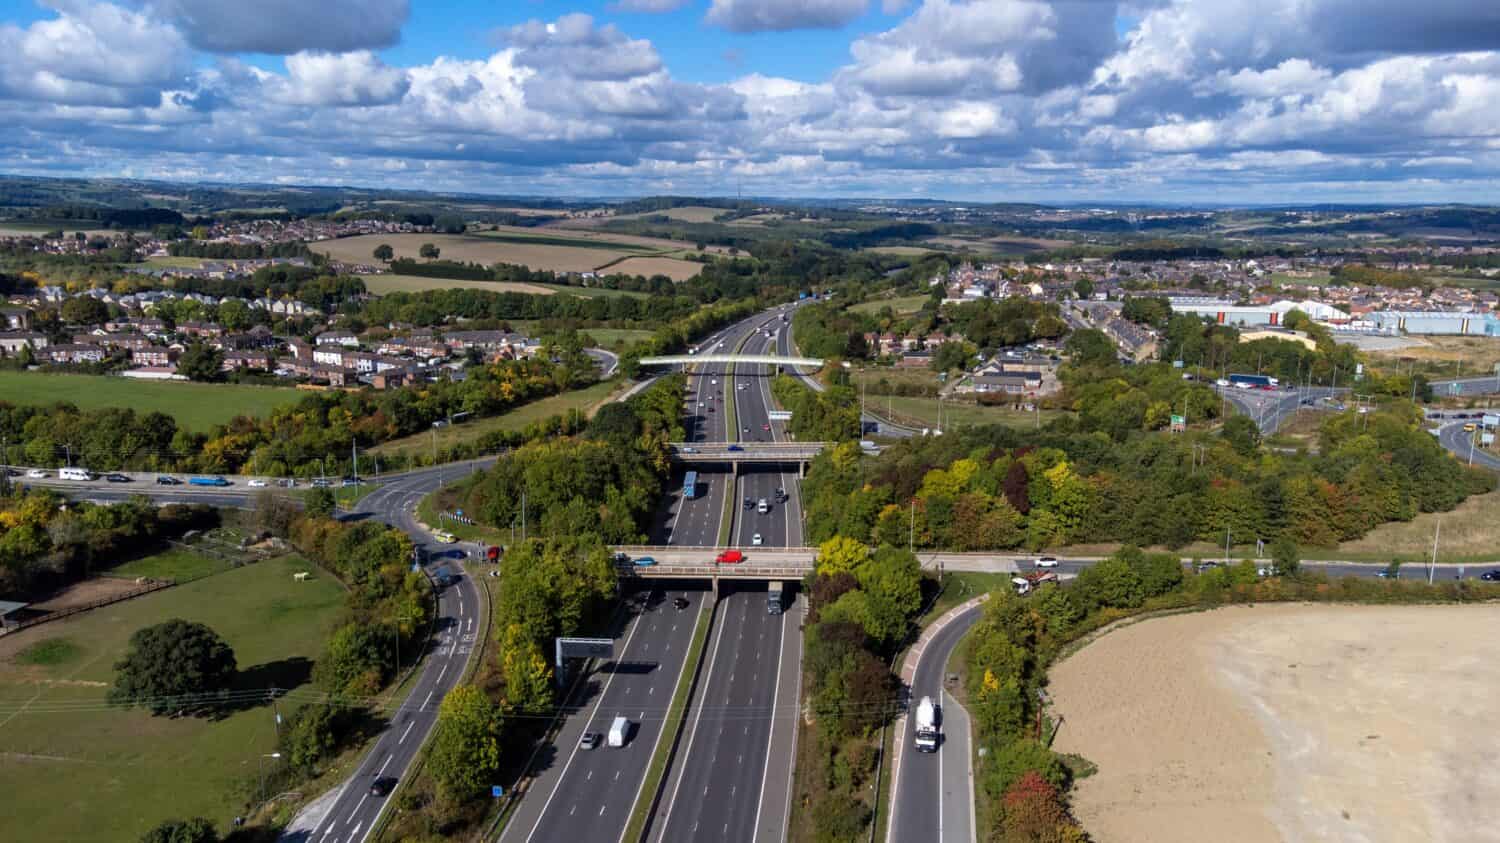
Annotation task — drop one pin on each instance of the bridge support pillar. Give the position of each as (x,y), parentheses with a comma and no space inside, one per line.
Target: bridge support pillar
(802,469)
(734,469)
(715,581)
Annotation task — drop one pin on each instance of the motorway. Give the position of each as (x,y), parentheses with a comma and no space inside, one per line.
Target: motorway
(933,798)
(1465,386)
(732,782)
(588,795)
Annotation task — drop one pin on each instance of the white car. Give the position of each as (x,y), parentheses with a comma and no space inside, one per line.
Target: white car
(1221,382)
(257,484)
(1047,562)
(36,474)
(756,540)
(713,383)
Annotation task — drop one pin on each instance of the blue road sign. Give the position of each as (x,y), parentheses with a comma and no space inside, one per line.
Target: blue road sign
(497,791)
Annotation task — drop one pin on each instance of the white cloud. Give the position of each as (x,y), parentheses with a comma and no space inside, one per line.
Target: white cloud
(343,79)
(783,15)
(284,27)
(92,54)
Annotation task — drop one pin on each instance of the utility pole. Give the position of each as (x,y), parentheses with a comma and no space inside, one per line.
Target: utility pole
(911,535)
(523,516)
(1226,547)
(354,455)
(1435,531)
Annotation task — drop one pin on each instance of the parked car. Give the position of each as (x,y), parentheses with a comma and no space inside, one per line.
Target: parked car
(644,562)
(730,557)
(118,478)
(589,740)
(167,480)
(36,474)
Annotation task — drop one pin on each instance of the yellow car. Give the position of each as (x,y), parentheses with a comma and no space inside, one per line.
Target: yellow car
(445,538)
(1469,428)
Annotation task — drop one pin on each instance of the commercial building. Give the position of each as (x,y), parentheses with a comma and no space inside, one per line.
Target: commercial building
(1457,323)
(1229,313)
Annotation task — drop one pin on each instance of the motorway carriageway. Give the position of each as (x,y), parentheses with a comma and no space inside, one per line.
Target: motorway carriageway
(732,779)
(579,795)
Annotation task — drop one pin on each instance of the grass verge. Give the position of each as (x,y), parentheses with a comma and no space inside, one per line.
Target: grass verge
(665,748)
(587,399)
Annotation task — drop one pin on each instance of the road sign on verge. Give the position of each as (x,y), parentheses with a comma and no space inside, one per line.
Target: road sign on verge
(496,791)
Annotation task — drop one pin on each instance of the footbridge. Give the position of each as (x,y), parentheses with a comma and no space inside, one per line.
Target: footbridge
(761,359)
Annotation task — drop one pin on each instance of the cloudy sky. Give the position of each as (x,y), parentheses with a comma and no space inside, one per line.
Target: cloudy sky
(1284,101)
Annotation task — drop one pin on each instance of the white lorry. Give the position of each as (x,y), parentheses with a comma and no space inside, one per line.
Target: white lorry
(619,732)
(927,726)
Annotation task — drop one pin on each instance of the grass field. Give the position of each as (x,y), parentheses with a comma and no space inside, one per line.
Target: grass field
(174,263)
(176,565)
(582,399)
(1317,279)
(954,414)
(389,283)
(472,249)
(195,406)
(901,306)
(1446,357)
(608,337)
(677,270)
(76,769)
(959,586)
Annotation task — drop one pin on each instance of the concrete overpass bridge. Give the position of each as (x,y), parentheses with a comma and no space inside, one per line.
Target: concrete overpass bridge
(761,359)
(735,453)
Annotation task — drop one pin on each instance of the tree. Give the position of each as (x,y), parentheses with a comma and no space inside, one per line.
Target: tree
(177,665)
(195,830)
(1112,582)
(84,310)
(1286,556)
(1034,813)
(528,677)
(616,422)
(841,555)
(1241,434)
(311,736)
(1084,288)
(383,252)
(201,362)
(319,503)
(429,251)
(466,745)
(1090,347)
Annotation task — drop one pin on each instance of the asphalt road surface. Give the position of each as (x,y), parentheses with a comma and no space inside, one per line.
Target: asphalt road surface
(1463,445)
(1466,386)
(1270,408)
(587,795)
(355,812)
(934,798)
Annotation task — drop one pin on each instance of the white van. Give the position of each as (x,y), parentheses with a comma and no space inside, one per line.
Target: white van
(75,474)
(619,731)
(762,506)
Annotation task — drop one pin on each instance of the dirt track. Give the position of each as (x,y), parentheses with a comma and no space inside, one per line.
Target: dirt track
(1288,723)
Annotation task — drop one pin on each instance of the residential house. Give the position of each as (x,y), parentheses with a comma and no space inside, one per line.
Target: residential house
(11,342)
(153,355)
(73,353)
(202,330)
(233,360)
(15,318)
(337,337)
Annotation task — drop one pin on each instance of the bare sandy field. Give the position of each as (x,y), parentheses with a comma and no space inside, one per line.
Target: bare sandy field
(677,270)
(382,284)
(1288,723)
(470,249)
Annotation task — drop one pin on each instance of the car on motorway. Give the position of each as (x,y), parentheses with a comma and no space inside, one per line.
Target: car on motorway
(688,450)
(118,478)
(1047,562)
(167,480)
(1221,382)
(444,537)
(12,472)
(756,540)
(257,483)
(749,503)
(713,383)
(36,474)
(700,403)
(1490,576)
(730,557)
(746,430)
(735,448)
(710,409)
(589,740)
(765,426)
(382,786)
(679,603)
(644,561)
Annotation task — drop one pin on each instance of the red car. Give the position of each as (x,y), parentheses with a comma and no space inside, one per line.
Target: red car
(730,557)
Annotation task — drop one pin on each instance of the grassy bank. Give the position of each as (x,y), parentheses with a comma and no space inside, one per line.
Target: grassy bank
(587,399)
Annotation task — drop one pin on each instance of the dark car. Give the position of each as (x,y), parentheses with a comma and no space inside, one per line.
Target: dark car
(749,503)
(352,481)
(1388,574)
(118,478)
(322,483)
(1490,576)
(735,448)
(11,472)
(167,480)
(679,603)
(382,786)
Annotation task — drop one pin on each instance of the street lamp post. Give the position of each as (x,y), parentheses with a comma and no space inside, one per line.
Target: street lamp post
(260,764)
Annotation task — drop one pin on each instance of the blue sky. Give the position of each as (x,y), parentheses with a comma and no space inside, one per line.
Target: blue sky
(1255,101)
